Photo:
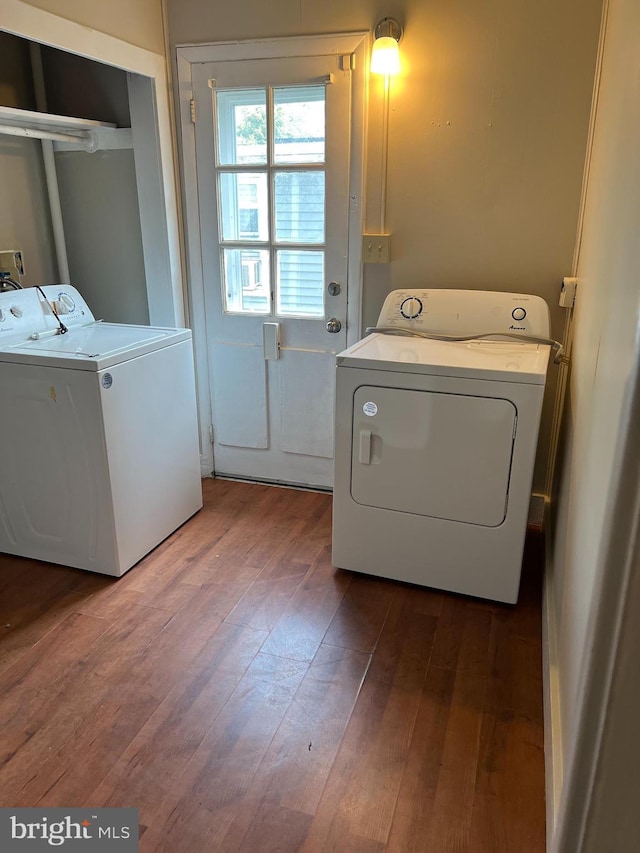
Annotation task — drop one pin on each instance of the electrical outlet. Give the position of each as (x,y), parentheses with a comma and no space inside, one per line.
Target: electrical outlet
(11,262)
(376,248)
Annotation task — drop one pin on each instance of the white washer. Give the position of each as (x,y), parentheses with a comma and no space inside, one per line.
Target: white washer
(98,429)
(436,441)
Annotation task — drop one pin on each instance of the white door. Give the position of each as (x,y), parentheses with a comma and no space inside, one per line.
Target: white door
(272,155)
(429,453)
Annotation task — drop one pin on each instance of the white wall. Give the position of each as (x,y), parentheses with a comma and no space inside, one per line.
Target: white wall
(138,22)
(606,349)
(487,134)
(102,230)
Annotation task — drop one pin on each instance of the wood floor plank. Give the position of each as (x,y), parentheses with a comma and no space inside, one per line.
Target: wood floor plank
(359,620)
(245,695)
(88,725)
(264,602)
(223,767)
(455,788)
(416,797)
(508,813)
(31,691)
(307,616)
(294,771)
(361,793)
(26,619)
(463,635)
(516,670)
(275,828)
(148,769)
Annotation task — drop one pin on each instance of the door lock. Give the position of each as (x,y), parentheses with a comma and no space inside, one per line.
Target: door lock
(334,325)
(334,288)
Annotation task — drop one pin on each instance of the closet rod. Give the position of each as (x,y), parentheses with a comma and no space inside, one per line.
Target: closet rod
(14,130)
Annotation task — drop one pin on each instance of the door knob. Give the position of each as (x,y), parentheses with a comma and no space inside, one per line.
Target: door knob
(334,325)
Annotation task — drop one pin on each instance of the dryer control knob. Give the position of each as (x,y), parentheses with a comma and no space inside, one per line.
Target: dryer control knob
(518,313)
(411,308)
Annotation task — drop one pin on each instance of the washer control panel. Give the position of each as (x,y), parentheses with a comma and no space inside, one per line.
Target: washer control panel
(67,303)
(466,312)
(21,315)
(26,314)
(411,307)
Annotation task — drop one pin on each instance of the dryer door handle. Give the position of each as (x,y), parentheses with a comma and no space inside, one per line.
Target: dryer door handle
(364,451)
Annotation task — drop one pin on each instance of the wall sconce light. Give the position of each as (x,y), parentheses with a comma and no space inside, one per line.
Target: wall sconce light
(385,56)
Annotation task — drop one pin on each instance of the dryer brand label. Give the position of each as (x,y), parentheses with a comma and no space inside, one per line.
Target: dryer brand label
(370,409)
(107,380)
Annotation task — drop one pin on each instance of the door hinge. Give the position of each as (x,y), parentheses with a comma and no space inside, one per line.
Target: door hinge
(192,108)
(211,433)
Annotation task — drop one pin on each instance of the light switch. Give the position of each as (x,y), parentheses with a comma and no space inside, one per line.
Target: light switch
(376,248)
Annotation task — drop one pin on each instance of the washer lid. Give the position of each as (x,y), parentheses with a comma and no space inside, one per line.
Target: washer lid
(93,347)
(506,361)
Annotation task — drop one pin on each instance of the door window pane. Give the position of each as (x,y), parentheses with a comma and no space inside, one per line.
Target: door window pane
(244,206)
(299,207)
(300,277)
(242,126)
(246,280)
(299,123)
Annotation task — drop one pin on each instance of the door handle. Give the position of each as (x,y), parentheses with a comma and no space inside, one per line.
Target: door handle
(334,325)
(364,450)
(271,341)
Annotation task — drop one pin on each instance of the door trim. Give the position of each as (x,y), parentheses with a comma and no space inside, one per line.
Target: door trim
(356,44)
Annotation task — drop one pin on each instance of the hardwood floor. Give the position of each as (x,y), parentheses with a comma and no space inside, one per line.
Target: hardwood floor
(244,695)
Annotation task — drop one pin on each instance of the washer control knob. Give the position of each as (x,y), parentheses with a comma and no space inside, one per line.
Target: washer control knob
(16,310)
(411,308)
(1,316)
(518,314)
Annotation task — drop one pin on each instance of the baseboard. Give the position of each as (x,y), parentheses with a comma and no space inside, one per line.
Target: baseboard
(551,696)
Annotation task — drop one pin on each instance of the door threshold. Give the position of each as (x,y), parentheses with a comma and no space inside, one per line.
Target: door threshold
(278,484)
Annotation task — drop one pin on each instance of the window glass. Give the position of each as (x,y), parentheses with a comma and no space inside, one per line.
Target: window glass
(242,126)
(299,123)
(246,280)
(244,206)
(299,282)
(299,207)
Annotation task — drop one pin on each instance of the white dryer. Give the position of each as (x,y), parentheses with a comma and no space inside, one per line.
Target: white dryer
(436,441)
(98,430)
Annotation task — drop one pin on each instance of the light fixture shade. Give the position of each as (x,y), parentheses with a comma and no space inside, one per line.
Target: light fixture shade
(385,56)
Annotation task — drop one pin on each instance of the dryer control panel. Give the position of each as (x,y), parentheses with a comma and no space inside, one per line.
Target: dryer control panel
(466,312)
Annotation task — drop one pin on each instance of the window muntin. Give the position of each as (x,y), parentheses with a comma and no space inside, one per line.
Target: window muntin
(263,207)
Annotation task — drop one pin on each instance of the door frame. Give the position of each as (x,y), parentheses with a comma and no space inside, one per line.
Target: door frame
(354,44)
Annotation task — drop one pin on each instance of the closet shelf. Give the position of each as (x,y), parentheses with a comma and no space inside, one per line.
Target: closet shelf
(74,133)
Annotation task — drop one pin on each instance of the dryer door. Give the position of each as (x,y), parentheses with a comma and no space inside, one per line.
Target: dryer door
(442,455)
